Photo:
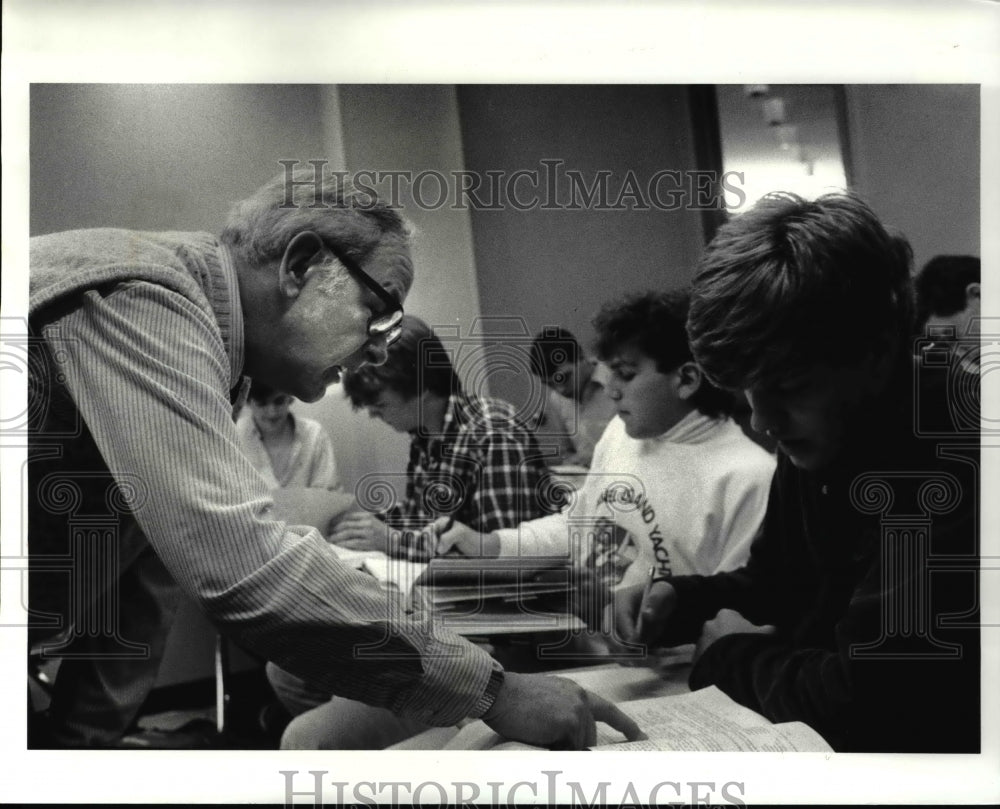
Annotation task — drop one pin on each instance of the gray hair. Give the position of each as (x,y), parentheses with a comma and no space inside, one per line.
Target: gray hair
(260,227)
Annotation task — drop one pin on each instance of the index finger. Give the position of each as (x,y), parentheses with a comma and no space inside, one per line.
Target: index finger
(604,711)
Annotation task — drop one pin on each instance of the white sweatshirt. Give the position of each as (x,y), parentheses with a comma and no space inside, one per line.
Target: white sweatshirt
(688,501)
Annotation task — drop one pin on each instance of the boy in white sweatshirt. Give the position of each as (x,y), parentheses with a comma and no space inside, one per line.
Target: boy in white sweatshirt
(675,486)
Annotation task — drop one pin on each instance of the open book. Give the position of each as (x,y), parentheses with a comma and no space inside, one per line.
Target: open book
(708,720)
(703,720)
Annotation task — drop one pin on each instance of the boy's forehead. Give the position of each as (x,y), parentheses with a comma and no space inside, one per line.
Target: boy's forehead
(626,355)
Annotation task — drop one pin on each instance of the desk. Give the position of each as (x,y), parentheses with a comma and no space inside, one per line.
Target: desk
(476,617)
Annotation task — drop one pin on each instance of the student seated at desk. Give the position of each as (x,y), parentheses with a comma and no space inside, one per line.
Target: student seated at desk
(470,457)
(675,484)
(577,408)
(287,449)
(867,561)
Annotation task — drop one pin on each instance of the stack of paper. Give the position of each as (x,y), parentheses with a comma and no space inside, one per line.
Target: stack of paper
(498,596)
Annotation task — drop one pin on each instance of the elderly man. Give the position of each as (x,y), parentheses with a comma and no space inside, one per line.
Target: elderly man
(142,345)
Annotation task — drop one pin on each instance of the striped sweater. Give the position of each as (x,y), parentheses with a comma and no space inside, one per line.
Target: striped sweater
(137,358)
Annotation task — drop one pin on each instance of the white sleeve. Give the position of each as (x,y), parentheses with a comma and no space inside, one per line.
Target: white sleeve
(744,504)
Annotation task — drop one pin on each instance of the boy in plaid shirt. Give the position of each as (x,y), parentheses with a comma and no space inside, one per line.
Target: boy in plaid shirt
(470,457)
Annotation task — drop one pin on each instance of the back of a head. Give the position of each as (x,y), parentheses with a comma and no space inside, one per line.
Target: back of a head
(415,363)
(654,323)
(260,227)
(792,284)
(942,283)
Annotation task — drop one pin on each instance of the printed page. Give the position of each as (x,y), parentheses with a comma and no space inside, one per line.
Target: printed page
(708,720)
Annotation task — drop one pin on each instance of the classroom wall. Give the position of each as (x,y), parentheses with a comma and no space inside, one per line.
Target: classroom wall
(544,266)
(160,157)
(915,151)
(397,127)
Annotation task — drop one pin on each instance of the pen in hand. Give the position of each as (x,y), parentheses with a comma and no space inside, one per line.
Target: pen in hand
(639,628)
(441,532)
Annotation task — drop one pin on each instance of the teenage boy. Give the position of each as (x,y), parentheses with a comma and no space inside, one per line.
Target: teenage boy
(470,457)
(287,449)
(675,485)
(577,408)
(807,307)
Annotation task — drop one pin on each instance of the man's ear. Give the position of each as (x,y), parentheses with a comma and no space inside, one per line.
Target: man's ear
(688,379)
(972,293)
(303,251)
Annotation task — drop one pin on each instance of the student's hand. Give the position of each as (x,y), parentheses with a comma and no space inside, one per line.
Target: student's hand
(549,711)
(726,622)
(460,539)
(637,615)
(360,531)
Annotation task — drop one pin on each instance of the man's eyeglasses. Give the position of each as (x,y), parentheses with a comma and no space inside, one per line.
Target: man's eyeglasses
(388,322)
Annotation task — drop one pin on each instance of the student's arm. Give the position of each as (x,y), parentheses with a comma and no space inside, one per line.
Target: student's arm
(551,535)
(755,590)
(150,376)
(900,673)
(506,486)
(882,690)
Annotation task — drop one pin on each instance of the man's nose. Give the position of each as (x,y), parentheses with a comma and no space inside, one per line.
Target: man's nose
(766,414)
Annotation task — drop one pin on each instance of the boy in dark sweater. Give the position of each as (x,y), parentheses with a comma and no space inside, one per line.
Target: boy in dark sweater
(857,612)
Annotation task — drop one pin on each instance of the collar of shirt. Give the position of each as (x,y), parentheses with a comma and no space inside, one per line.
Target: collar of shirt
(232,331)
(694,428)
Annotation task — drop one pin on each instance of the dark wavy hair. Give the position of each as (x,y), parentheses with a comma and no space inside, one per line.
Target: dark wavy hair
(551,347)
(793,283)
(654,324)
(416,362)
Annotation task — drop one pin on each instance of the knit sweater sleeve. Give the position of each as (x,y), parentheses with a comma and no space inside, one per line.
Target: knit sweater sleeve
(864,682)
(150,377)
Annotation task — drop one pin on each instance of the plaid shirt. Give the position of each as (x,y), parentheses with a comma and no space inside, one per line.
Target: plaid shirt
(484,468)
